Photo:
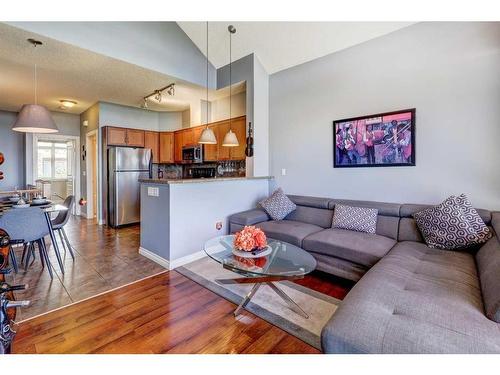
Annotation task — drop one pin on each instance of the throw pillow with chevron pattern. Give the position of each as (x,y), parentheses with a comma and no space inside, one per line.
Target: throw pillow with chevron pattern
(278,205)
(359,219)
(447,226)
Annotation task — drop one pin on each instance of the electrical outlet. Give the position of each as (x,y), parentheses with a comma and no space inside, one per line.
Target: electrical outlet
(218,225)
(283,171)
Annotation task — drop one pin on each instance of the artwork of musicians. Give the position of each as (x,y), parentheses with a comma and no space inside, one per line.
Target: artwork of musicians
(346,141)
(368,139)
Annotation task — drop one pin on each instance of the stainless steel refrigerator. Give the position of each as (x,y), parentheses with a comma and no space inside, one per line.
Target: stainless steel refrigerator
(125,167)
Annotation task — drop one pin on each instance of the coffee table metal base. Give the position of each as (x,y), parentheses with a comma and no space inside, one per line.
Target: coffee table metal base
(258,282)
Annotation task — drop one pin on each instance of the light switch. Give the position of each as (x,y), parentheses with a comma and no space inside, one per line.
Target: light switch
(283,171)
(153,191)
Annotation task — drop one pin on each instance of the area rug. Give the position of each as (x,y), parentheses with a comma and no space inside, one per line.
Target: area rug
(266,304)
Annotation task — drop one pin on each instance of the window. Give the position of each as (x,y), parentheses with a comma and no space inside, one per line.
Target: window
(52,160)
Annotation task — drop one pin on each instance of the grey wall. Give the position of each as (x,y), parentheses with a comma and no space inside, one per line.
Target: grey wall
(450,72)
(12,147)
(160,46)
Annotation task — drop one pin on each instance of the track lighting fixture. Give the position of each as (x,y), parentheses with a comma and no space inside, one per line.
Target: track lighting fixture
(158,94)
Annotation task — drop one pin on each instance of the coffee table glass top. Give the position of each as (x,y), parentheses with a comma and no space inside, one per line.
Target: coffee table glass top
(284,259)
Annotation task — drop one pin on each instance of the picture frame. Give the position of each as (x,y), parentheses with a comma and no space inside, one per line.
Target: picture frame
(379,140)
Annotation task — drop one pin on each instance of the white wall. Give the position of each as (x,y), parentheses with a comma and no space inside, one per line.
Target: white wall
(450,72)
(219,109)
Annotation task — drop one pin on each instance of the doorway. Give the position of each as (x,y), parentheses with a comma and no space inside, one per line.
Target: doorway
(56,167)
(91,167)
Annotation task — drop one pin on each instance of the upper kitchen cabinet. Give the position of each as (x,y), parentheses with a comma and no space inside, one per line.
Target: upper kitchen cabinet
(116,136)
(178,144)
(135,138)
(167,148)
(238,125)
(152,141)
(124,137)
(222,129)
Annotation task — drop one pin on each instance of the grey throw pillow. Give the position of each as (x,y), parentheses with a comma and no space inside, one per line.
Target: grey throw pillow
(359,219)
(278,205)
(446,226)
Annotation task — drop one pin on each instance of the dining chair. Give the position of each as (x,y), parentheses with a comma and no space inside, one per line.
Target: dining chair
(61,220)
(30,226)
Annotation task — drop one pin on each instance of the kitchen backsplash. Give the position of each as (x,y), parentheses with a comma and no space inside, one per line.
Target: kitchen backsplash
(221,169)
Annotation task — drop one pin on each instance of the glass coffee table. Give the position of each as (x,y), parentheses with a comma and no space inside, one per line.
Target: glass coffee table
(284,261)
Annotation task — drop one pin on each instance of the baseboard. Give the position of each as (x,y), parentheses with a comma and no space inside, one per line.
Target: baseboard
(172,264)
(154,257)
(187,259)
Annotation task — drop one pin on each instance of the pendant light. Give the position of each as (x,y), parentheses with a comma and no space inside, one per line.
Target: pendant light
(230,139)
(34,118)
(207,136)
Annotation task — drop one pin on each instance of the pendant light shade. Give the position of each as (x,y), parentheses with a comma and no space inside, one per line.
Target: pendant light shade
(208,137)
(230,139)
(34,118)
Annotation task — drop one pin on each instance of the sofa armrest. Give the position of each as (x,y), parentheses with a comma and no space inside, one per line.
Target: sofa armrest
(250,217)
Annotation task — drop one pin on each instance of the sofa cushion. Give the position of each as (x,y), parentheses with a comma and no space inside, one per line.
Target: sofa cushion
(408,230)
(445,226)
(288,230)
(249,217)
(384,208)
(278,205)
(358,247)
(315,202)
(488,266)
(312,215)
(358,219)
(415,300)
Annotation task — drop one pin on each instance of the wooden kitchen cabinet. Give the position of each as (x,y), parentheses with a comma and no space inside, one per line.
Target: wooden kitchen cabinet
(135,138)
(152,141)
(124,137)
(178,139)
(116,136)
(167,148)
(188,137)
(238,126)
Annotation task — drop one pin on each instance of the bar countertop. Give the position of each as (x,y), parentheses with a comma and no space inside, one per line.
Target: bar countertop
(199,180)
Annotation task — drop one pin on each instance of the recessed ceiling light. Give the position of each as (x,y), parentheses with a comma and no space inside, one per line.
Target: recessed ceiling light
(67,103)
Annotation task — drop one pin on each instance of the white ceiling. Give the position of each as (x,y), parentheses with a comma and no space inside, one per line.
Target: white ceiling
(281,45)
(69,72)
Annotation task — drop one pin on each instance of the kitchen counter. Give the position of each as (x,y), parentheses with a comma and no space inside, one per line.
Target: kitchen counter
(199,180)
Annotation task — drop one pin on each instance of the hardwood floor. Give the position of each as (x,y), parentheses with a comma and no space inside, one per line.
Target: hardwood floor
(104,259)
(166,313)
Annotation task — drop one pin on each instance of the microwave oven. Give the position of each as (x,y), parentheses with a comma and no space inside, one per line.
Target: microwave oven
(192,154)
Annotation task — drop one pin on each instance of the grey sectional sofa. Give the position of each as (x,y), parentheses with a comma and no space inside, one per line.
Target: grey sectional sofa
(408,298)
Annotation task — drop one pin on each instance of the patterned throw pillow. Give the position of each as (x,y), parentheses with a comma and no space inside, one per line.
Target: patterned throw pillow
(482,231)
(358,219)
(446,226)
(278,205)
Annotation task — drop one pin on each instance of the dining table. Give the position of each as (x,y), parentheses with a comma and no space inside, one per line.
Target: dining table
(48,208)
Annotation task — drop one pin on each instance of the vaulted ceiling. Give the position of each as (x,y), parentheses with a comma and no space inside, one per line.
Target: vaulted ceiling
(281,45)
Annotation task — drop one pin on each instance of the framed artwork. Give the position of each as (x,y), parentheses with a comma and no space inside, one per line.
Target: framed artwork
(380,140)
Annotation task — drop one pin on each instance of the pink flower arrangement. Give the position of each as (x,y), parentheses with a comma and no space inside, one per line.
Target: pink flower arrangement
(249,239)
